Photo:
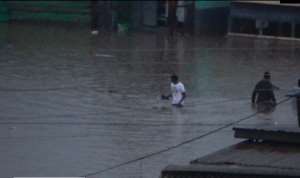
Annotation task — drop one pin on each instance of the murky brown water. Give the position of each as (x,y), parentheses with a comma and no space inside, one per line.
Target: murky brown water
(73,104)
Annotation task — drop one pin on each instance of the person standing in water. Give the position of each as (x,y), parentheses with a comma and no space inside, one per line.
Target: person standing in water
(296,101)
(263,97)
(178,92)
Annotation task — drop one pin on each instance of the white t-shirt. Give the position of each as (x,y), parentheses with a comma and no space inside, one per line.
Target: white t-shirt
(177,90)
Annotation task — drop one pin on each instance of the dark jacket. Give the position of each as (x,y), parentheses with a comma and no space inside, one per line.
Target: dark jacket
(263,92)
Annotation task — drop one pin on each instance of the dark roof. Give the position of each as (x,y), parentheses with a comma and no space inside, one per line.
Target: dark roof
(284,158)
(267,156)
(225,171)
(269,133)
(245,159)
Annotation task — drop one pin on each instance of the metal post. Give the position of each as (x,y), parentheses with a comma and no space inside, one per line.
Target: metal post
(298,109)
(229,24)
(293,29)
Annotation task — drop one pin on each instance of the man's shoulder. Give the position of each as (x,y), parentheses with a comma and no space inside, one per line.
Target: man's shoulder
(180,84)
(181,87)
(264,82)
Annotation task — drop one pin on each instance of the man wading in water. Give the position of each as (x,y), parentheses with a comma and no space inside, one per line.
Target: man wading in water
(263,98)
(177,92)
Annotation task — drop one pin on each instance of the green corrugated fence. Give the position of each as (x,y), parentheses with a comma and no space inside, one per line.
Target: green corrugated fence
(49,10)
(3,12)
(207,4)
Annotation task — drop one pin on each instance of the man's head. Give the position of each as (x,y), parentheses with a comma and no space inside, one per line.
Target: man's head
(174,79)
(267,76)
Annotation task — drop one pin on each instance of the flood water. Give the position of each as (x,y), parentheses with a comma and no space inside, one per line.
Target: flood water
(73,104)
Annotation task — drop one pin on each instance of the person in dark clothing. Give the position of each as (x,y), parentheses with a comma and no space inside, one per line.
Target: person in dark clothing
(94,16)
(263,98)
(172,17)
(295,93)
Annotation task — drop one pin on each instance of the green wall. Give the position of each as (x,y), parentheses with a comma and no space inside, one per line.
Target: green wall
(3,12)
(78,10)
(207,4)
(49,10)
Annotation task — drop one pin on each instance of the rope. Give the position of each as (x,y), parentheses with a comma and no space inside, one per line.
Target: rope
(179,144)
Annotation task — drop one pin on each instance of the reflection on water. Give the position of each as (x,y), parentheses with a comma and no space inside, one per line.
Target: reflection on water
(72,104)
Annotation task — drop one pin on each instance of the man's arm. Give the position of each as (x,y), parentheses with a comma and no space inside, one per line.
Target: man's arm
(166,97)
(275,87)
(273,98)
(253,98)
(182,99)
(295,94)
